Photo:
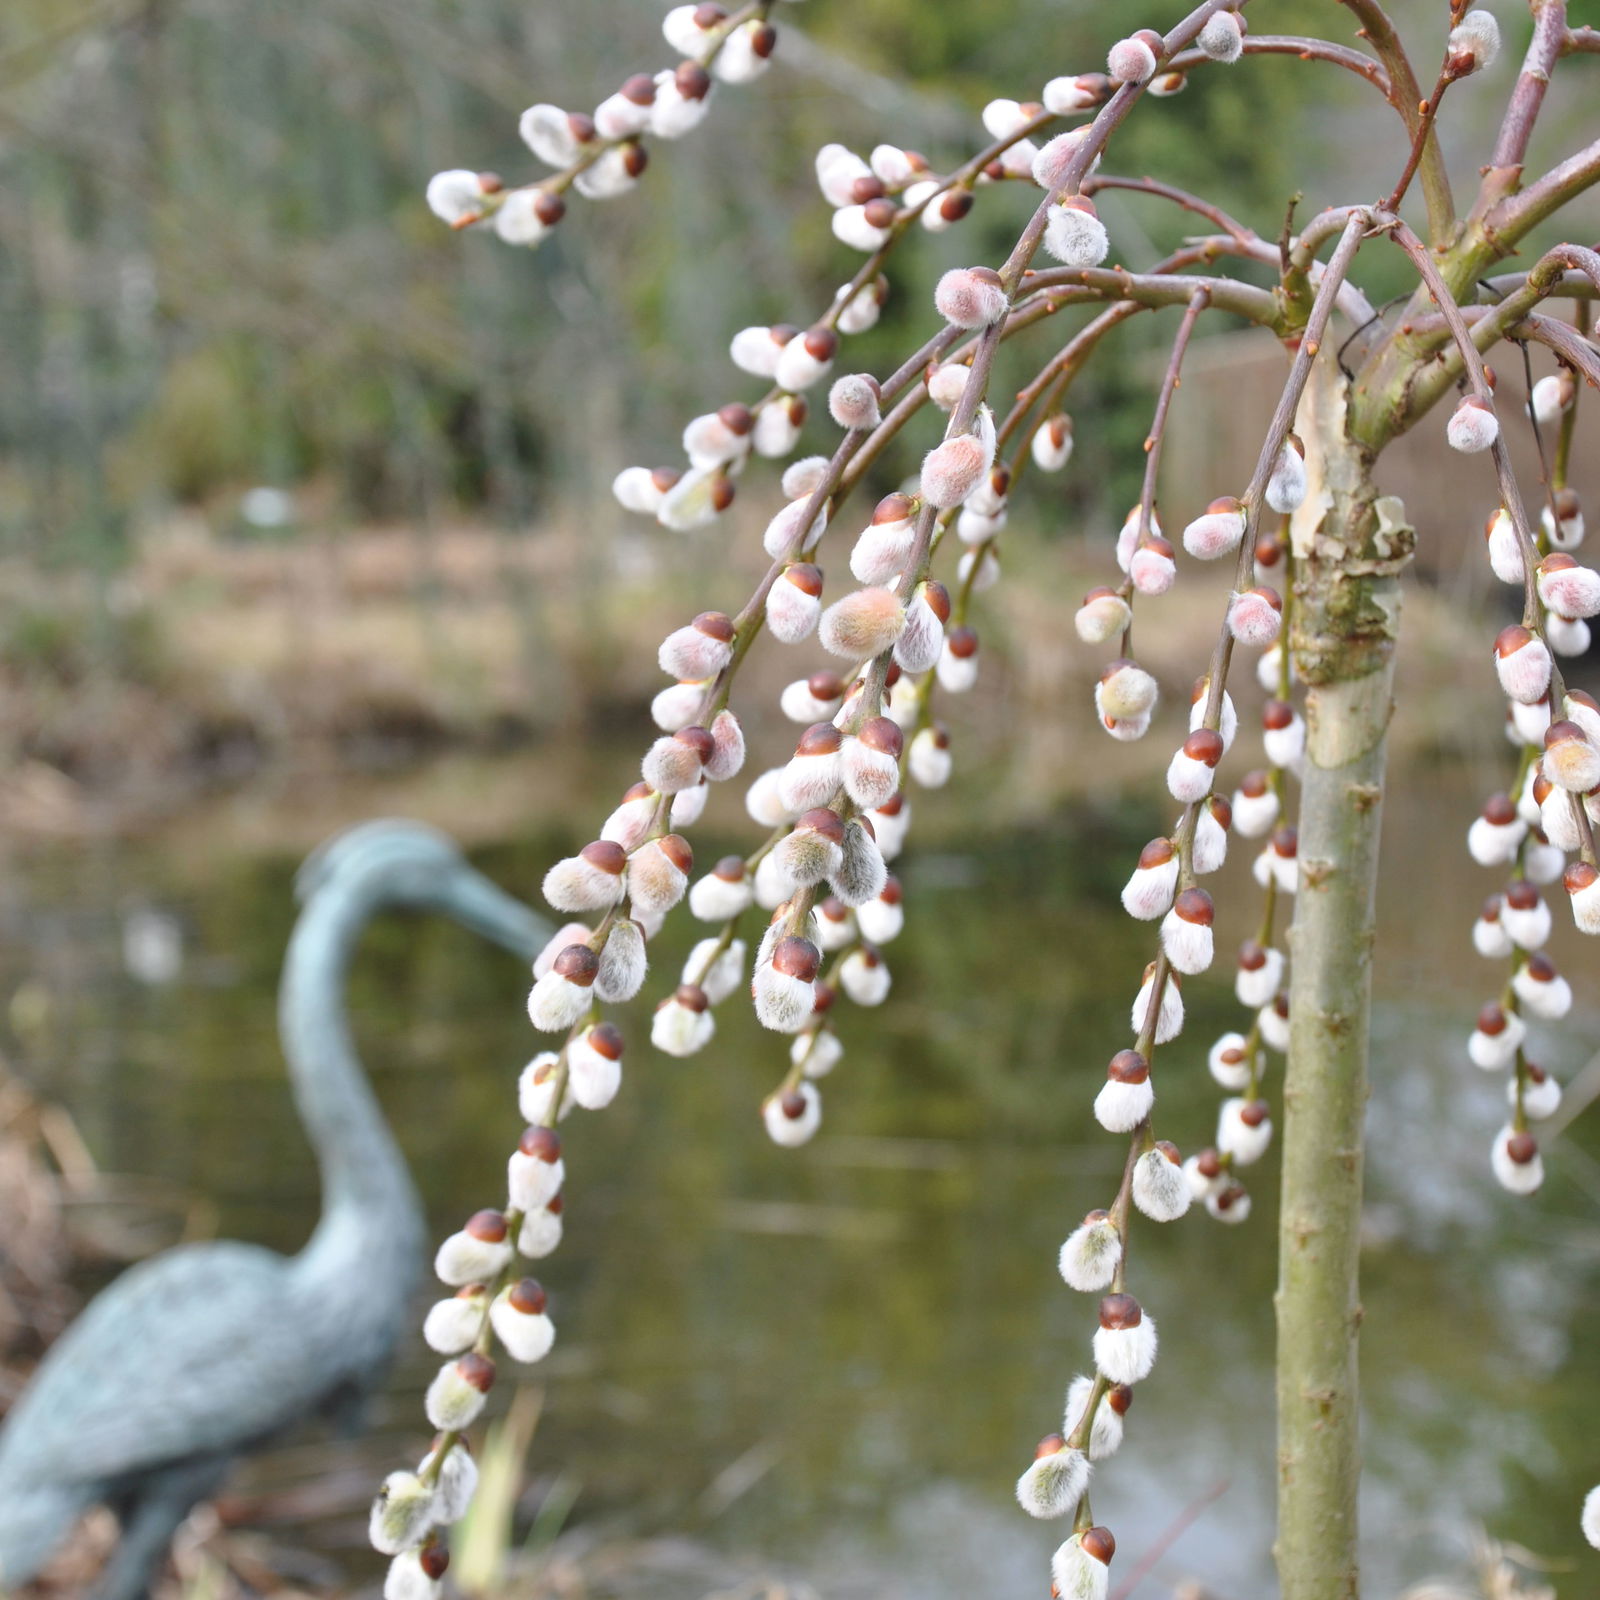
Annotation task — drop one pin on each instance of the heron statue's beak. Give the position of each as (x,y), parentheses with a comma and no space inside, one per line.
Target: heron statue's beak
(485,908)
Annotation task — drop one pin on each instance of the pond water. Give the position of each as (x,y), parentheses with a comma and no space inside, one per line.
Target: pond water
(841,1357)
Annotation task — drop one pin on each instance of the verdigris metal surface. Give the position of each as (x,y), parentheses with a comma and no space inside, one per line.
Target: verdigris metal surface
(204,1352)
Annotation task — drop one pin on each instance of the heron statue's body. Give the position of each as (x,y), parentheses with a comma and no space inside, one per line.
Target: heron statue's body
(197,1356)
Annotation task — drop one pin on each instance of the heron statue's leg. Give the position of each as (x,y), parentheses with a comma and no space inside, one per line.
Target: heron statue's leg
(152,1511)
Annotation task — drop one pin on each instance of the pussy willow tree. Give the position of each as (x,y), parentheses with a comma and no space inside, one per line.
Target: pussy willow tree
(1316,552)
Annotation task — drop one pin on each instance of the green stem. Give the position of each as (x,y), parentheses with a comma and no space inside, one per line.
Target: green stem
(1345,627)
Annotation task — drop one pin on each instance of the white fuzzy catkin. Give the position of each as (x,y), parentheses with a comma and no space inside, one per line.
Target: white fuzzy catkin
(1089,1257)
(1160,1189)
(1054,1484)
(1126,1355)
(401,1514)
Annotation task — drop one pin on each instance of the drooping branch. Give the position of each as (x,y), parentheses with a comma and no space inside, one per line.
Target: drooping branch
(1306,49)
(1488,325)
(1510,494)
(1504,171)
(1237,231)
(1406,96)
(1110,283)
(1518,214)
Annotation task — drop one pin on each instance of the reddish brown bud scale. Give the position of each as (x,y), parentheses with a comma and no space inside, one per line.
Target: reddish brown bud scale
(1254,785)
(434,1558)
(1120,1397)
(528,1297)
(581,126)
(1051,1444)
(691,997)
(825,686)
(549,208)
(826,995)
(1522,895)
(730,869)
(955,204)
(893,675)
(1522,1148)
(1209,1164)
(820,739)
(1252,957)
(489,1226)
(678,851)
(962,642)
(1286,842)
(640,89)
(708,15)
(1204,745)
(1578,877)
(1499,810)
(938,598)
(825,822)
(883,735)
(1557,731)
(635,158)
(893,806)
(665,478)
(895,507)
(1098,1542)
(1253,1113)
(605,854)
(793,1105)
(1119,1311)
(1492,1019)
(1156,854)
(880,213)
(867,187)
(605,1038)
(1511,639)
(692,80)
(1194,905)
(476,1370)
(891,893)
(1276,715)
(823,343)
(796,958)
(1221,811)
(1128,1066)
(763,40)
(806,577)
(543,1144)
(577,964)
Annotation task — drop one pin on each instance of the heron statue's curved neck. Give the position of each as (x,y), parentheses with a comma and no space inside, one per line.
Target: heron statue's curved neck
(370,1208)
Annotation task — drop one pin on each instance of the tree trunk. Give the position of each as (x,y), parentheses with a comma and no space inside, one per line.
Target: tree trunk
(1350,546)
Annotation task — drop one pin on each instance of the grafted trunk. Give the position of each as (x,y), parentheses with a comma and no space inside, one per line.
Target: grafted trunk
(1350,546)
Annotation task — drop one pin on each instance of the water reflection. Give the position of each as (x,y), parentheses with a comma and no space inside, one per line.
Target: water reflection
(840,1357)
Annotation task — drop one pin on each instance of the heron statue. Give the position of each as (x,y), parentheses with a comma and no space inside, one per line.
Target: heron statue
(205,1352)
